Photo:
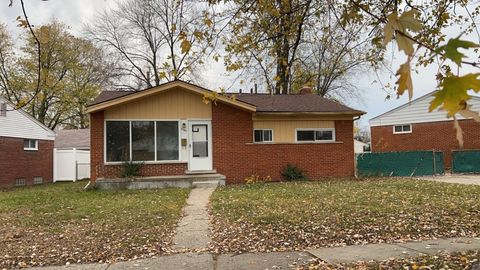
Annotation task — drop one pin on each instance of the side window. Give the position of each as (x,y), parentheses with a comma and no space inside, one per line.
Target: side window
(30,144)
(315,135)
(400,129)
(262,135)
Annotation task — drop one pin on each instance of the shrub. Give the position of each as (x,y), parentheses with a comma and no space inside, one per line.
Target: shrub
(131,169)
(292,173)
(254,179)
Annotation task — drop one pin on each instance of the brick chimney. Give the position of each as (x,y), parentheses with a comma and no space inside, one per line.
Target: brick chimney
(305,90)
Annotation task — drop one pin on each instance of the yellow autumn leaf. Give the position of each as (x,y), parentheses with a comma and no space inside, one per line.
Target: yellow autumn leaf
(404,81)
(185,45)
(453,94)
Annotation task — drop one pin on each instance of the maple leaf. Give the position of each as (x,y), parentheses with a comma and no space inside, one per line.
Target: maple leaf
(404,81)
(450,50)
(185,45)
(453,94)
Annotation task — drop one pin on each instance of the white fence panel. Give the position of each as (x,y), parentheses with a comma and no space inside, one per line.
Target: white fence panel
(70,164)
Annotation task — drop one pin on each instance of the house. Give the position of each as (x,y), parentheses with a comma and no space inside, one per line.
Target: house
(26,148)
(174,132)
(412,127)
(71,155)
(359,146)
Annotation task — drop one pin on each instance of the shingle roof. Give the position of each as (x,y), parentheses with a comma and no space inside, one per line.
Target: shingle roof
(73,138)
(109,95)
(293,103)
(264,102)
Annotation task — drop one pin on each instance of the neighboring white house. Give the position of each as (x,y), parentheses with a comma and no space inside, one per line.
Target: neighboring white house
(72,155)
(25,148)
(359,146)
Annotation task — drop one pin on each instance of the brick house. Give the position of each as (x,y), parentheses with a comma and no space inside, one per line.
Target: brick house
(174,132)
(412,127)
(26,148)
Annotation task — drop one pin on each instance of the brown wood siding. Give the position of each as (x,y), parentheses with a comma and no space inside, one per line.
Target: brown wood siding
(172,104)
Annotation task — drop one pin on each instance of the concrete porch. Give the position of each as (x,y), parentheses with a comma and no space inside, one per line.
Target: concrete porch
(188,180)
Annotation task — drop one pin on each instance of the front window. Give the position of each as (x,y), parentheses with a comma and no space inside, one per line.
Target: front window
(30,144)
(315,135)
(167,140)
(118,141)
(142,141)
(263,135)
(399,129)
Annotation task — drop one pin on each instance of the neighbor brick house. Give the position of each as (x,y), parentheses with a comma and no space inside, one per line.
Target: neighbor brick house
(412,127)
(173,131)
(26,148)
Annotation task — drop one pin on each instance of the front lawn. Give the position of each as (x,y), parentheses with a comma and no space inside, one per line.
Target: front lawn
(456,260)
(59,223)
(298,215)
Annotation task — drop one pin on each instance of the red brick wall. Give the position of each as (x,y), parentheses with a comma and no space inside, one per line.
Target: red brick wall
(236,157)
(17,163)
(99,170)
(439,136)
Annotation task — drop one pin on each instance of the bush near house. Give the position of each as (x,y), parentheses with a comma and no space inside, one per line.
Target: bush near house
(59,223)
(297,215)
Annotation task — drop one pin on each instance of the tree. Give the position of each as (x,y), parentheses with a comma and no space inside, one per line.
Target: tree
(72,73)
(417,28)
(265,35)
(155,40)
(330,60)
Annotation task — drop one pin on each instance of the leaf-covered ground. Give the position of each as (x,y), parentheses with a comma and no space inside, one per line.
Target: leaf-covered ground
(59,223)
(294,216)
(458,261)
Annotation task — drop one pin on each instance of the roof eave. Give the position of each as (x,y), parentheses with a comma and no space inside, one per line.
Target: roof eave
(353,113)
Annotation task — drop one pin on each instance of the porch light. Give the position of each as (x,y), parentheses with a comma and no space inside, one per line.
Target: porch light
(184,127)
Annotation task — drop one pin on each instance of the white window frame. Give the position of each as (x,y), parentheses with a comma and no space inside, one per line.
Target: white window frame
(314,130)
(402,132)
(263,130)
(179,160)
(30,148)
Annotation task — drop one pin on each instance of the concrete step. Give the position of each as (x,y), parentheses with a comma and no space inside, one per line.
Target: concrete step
(206,184)
(201,172)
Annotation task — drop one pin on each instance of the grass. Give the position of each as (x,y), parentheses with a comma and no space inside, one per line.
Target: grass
(457,260)
(60,223)
(296,215)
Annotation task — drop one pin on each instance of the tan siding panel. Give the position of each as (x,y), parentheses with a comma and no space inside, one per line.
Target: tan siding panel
(171,104)
(284,130)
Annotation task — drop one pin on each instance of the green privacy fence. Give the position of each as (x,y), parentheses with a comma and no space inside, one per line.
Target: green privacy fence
(412,163)
(466,161)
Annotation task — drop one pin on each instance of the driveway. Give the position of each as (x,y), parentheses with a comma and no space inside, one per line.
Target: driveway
(466,179)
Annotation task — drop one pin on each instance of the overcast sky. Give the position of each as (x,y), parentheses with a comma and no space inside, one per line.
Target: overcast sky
(75,13)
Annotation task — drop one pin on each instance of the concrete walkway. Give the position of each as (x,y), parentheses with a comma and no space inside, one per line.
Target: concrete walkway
(465,179)
(192,230)
(287,260)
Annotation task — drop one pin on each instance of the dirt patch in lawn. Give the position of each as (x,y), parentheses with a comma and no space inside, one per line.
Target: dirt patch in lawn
(295,216)
(59,224)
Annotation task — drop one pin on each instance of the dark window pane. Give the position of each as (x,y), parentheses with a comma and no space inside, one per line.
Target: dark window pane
(167,140)
(406,128)
(118,137)
(143,140)
(324,135)
(258,134)
(26,143)
(200,140)
(305,135)
(267,135)
(398,128)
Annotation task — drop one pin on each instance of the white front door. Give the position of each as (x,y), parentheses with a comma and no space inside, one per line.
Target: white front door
(200,146)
